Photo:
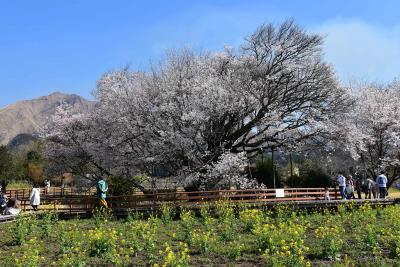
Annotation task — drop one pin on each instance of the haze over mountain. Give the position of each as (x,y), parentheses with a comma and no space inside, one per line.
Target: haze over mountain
(30,116)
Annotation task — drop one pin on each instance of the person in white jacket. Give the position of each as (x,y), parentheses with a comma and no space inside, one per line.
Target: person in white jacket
(35,197)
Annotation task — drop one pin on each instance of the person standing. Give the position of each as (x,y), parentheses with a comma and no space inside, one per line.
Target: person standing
(3,203)
(357,188)
(47,186)
(102,189)
(34,199)
(381,181)
(326,194)
(4,184)
(349,187)
(341,180)
(369,188)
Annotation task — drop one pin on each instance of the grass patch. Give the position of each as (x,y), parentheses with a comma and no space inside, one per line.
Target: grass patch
(394,192)
(19,184)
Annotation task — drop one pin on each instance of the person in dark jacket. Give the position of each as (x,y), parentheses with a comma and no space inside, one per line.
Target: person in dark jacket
(4,184)
(357,187)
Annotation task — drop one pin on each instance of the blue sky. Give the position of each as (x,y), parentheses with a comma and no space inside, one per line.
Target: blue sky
(48,46)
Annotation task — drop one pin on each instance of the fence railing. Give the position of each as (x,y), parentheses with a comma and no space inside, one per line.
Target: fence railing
(52,192)
(141,201)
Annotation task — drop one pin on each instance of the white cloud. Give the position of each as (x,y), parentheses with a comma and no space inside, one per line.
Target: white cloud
(362,51)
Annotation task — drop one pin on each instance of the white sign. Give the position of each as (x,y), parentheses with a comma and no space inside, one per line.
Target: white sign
(279,192)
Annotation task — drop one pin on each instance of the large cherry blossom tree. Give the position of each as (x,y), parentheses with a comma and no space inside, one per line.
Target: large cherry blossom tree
(194,109)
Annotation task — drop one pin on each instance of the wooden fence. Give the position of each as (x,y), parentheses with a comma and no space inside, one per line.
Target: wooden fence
(52,192)
(142,201)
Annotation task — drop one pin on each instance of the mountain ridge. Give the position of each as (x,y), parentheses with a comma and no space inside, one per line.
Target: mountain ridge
(30,116)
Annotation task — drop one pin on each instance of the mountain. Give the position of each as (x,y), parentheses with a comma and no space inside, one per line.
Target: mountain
(28,117)
(21,140)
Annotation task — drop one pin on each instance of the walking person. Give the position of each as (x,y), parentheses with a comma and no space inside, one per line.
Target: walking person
(349,187)
(102,189)
(341,180)
(381,181)
(34,199)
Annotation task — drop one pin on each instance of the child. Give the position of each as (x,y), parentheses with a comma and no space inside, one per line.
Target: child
(327,196)
(47,185)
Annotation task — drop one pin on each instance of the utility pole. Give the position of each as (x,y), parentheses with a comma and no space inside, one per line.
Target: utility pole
(262,154)
(291,163)
(273,166)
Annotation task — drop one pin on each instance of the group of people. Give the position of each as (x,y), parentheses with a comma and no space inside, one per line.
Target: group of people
(11,206)
(376,188)
(8,206)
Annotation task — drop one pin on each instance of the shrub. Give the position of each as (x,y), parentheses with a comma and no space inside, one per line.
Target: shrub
(264,174)
(229,230)
(317,178)
(234,250)
(136,233)
(250,218)
(76,259)
(119,186)
(295,181)
(205,212)
(167,212)
(20,231)
(133,216)
(371,241)
(331,238)
(71,239)
(224,211)
(179,259)
(187,221)
(102,242)
(30,254)
(48,222)
(102,215)
(282,244)
(204,241)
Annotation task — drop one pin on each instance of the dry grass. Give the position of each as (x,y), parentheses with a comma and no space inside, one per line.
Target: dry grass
(19,184)
(394,192)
